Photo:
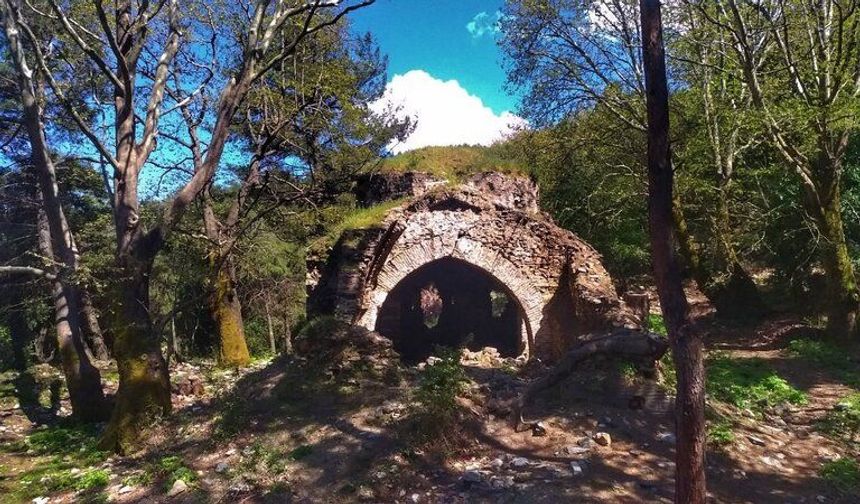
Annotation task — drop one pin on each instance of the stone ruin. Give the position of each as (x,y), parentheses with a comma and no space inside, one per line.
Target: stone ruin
(471,265)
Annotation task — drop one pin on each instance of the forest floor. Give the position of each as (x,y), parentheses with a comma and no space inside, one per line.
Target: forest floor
(346,427)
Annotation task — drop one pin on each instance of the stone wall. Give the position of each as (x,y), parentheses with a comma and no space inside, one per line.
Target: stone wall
(492,222)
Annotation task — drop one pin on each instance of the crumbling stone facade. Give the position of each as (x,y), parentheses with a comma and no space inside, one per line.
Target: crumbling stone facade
(491,222)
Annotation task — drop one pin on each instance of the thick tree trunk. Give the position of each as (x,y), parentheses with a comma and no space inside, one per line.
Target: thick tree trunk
(843,296)
(91,327)
(55,239)
(144,385)
(686,344)
(83,380)
(20,334)
(226,312)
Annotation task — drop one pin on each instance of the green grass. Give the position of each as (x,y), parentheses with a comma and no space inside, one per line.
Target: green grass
(828,356)
(720,433)
(657,325)
(843,421)
(63,458)
(748,383)
(843,475)
(359,218)
(173,468)
(452,163)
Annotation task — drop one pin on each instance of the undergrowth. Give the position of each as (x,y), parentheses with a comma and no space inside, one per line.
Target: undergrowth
(829,356)
(843,475)
(843,421)
(436,395)
(748,384)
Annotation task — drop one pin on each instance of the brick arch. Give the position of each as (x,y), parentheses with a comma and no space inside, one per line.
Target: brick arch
(405,257)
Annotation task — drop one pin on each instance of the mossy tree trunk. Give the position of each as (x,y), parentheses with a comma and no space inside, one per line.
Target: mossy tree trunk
(144,384)
(226,312)
(843,296)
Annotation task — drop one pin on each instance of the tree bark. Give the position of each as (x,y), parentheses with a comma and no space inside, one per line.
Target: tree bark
(227,314)
(91,327)
(843,295)
(144,384)
(690,487)
(272,345)
(55,238)
(83,380)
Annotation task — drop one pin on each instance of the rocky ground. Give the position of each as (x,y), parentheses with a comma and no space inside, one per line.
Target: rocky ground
(344,425)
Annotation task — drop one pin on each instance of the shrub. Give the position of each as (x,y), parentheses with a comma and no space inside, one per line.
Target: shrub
(440,384)
(843,421)
(842,474)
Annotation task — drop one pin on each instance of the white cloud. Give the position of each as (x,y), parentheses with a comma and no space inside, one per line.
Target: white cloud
(484,24)
(446,114)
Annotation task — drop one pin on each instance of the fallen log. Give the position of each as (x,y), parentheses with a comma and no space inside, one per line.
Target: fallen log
(625,343)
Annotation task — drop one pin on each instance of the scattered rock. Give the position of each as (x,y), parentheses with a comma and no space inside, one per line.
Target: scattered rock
(125,489)
(576,468)
(577,450)
(502,483)
(472,477)
(41,500)
(538,430)
(667,437)
(520,462)
(366,493)
(602,438)
(222,467)
(178,487)
(756,441)
(497,463)
(414,498)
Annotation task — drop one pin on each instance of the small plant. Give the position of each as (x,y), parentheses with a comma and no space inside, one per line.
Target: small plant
(748,383)
(668,375)
(173,468)
(842,474)
(843,421)
(657,325)
(720,433)
(96,478)
(628,371)
(440,384)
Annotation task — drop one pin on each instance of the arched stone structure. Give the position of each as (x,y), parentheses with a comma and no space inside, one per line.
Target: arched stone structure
(492,223)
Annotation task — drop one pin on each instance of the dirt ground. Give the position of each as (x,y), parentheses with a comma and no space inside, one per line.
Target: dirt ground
(339,428)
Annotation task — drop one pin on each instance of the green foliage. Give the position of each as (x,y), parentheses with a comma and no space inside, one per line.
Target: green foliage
(453,163)
(439,386)
(828,356)
(843,421)
(720,433)
(351,219)
(657,325)
(843,475)
(63,461)
(172,468)
(748,383)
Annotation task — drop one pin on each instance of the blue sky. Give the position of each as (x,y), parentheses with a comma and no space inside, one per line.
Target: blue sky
(432,35)
(445,69)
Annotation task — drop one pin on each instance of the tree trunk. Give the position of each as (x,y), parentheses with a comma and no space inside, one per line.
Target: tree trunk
(727,286)
(83,380)
(55,240)
(843,295)
(272,345)
(288,337)
(227,314)
(144,384)
(92,329)
(690,487)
